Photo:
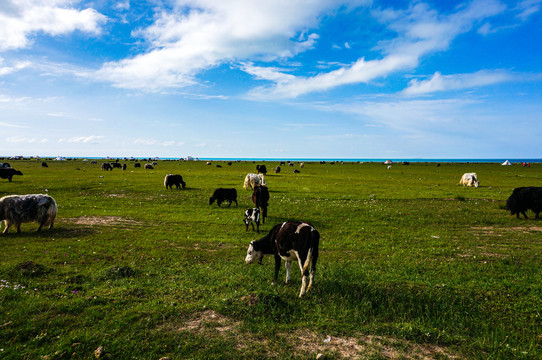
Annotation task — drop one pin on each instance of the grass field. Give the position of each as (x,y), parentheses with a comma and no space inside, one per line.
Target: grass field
(411,265)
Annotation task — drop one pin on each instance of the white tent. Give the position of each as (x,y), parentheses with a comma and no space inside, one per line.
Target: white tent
(506,163)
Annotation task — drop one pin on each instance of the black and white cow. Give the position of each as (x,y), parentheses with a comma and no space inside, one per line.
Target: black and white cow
(260,198)
(221,194)
(290,241)
(252,216)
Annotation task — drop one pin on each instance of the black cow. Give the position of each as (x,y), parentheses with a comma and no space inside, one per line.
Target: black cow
(277,169)
(116,165)
(124,166)
(262,169)
(260,198)
(252,216)
(4,165)
(107,166)
(44,164)
(291,241)
(296,171)
(221,195)
(523,199)
(137,165)
(8,173)
(176,180)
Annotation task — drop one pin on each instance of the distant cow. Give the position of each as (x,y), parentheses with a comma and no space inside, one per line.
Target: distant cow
(137,165)
(149,166)
(221,194)
(290,241)
(176,180)
(260,198)
(124,166)
(277,169)
(296,171)
(107,166)
(469,179)
(8,173)
(262,169)
(523,199)
(253,180)
(44,164)
(252,216)
(116,165)
(17,209)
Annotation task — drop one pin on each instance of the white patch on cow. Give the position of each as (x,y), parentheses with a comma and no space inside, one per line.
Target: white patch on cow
(292,256)
(301,226)
(253,256)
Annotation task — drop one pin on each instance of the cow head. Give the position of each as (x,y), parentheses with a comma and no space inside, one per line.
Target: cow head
(254,255)
(211,200)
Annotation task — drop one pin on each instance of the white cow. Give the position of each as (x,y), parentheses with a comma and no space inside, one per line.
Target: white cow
(469,179)
(253,181)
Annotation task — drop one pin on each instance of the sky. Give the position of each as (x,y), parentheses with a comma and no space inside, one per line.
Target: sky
(318,79)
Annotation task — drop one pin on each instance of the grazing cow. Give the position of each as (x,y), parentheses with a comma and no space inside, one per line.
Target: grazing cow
(260,198)
(261,169)
(291,241)
(44,164)
(208,163)
(149,166)
(469,179)
(221,195)
(301,165)
(137,165)
(252,216)
(282,163)
(17,209)
(218,166)
(523,199)
(277,169)
(107,166)
(229,163)
(93,162)
(8,173)
(296,171)
(124,166)
(253,180)
(116,165)
(176,180)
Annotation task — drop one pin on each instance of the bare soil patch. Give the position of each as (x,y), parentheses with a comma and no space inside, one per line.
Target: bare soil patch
(308,343)
(101,220)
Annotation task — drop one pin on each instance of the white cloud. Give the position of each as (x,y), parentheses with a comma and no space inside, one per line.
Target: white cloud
(16,66)
(145,142)
(439,82)
(19,19)
(27,140)
(83,139)
(420,30)
(201,34)
(526,8)
(5,124)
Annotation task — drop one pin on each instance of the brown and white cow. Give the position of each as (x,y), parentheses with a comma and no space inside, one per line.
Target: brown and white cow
(290,241)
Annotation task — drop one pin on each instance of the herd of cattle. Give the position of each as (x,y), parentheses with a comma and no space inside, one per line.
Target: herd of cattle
(288,241)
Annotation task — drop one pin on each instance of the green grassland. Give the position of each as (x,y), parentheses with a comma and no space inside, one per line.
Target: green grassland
(411,265)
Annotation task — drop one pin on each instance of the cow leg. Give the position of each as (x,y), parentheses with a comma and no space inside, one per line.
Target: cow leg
(314,259)
(287,265)
(229,203)
(7,225)
(524,214)
(18,228)
(277,267)
(257,227)
(253,226)
(536,215)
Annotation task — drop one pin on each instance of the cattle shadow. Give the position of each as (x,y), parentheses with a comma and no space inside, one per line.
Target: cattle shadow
(45,234)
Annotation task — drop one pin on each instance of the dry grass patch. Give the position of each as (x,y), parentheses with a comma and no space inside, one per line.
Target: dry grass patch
(308,343)
(365,347)
(101,220)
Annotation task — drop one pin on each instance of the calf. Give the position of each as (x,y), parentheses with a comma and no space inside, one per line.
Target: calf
(176,180)
(149,166)
(523,199)
(8,173)
(291,241)
(221,195)
(252,216)
(260,198)
(17,209)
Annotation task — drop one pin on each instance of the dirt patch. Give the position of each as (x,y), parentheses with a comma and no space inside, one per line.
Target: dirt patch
(365,346)
(101,220)
(304,342)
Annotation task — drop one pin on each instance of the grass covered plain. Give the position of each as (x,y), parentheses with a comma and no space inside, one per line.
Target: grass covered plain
(411,265)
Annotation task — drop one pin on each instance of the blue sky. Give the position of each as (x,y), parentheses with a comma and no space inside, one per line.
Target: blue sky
(271,78)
